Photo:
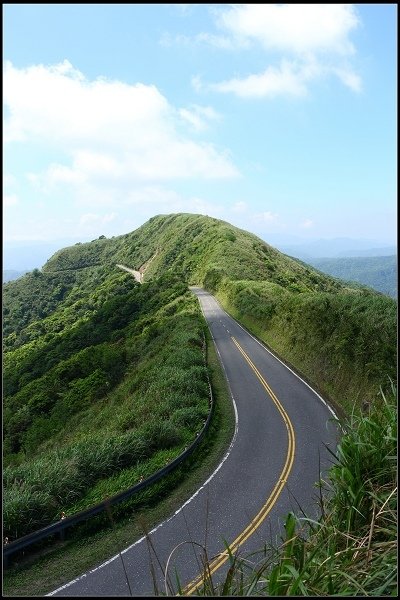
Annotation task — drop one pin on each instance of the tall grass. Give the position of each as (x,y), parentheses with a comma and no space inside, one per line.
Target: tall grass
(343,342)
(159,406)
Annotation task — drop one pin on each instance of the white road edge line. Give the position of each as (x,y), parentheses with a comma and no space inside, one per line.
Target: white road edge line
(104,564)
(285,365)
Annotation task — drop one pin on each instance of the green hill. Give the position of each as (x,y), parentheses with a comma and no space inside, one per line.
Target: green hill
(377,272)
(83,339)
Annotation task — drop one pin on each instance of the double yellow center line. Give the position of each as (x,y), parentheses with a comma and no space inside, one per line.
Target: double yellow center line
(219,560)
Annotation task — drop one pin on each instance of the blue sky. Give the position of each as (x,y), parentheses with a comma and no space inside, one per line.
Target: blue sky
(280,119)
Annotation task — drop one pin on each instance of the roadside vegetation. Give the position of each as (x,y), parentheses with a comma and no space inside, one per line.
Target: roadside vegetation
(106,414)
(86,546)
(344,343)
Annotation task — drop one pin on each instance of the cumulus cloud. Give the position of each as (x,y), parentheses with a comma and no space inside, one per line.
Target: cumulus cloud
(308,40)
(288,79)
(307,223)
(296,28)
(109,129)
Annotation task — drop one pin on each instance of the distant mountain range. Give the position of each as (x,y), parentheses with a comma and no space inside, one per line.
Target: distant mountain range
(377,272)
(11,275)
(336,248)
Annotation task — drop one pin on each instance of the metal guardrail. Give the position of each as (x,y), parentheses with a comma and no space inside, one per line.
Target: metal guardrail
(60,526)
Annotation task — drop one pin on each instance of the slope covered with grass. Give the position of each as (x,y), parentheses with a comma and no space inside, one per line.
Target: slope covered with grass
(104,401)
(341,337)
(82,340)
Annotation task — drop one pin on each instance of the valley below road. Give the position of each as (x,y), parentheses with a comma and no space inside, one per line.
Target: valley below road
(278,453)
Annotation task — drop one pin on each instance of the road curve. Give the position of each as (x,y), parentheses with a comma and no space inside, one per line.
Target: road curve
(278,452)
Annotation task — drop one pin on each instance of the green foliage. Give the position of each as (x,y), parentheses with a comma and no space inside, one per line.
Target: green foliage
(213,278)
(94,411)
(344,342)
(34,306)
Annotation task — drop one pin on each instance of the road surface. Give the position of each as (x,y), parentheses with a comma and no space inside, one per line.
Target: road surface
(277,455)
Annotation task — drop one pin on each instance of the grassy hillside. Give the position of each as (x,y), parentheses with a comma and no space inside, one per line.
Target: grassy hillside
(377,272)
(349,332)
(82,340)
(93,404)
(341,336)
(80,334)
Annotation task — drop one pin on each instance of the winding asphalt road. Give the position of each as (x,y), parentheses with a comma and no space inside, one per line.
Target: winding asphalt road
(277,454)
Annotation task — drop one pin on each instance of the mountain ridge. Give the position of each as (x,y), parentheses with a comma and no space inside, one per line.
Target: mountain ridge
(244,272)
(104,377)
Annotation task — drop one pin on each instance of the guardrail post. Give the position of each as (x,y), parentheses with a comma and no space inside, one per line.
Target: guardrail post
(62,531)
(5,556)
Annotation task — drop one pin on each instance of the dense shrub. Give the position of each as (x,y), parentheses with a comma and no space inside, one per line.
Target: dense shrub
(344,342)
(106,408)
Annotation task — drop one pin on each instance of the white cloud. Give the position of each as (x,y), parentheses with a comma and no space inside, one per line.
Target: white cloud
(349,78)
(199,116)
(110,129)
(297,28)
(309,41)
(117,145)
(307,223)
(268,216)
(288,79)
